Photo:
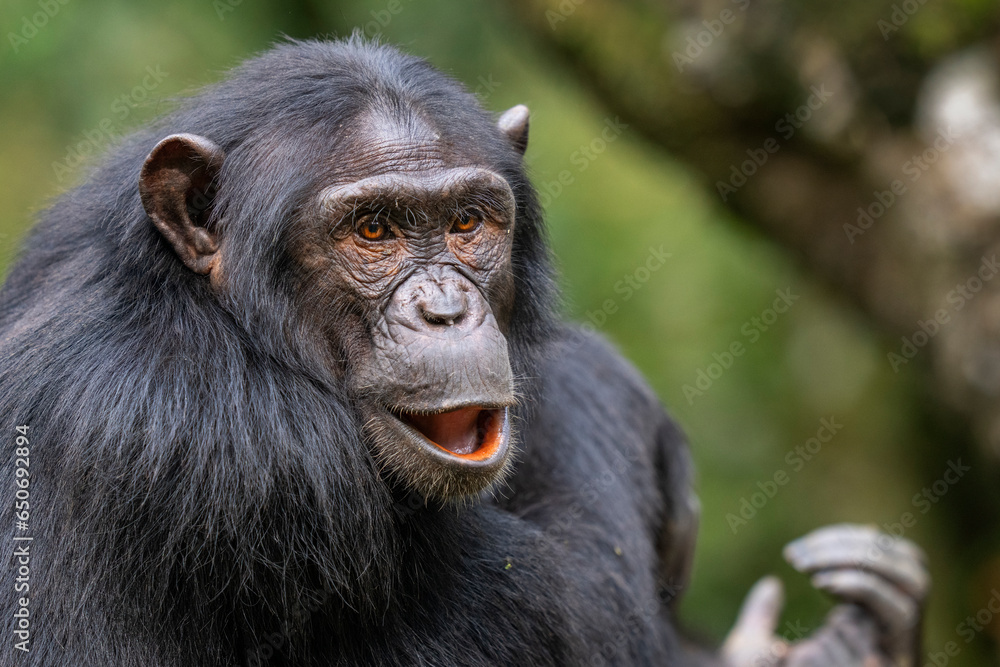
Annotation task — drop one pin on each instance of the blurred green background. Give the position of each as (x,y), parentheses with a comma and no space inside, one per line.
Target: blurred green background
(86,74)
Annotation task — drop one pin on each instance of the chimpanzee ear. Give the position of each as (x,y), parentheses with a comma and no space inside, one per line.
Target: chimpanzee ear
(176,186)
(514,123)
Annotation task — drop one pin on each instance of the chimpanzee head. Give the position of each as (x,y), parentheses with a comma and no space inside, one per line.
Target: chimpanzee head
(389,219)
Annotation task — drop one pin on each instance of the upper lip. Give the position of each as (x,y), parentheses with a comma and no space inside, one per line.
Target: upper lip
(447,406)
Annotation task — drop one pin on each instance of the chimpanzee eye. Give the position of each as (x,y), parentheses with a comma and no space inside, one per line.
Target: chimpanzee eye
(466,221)
(373,228)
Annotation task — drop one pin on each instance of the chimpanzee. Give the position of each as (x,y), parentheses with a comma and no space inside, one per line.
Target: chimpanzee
(287,388)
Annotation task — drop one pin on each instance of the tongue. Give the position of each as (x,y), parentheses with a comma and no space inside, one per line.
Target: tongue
(457,431)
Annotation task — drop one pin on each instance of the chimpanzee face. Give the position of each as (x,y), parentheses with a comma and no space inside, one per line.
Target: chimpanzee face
(406,259)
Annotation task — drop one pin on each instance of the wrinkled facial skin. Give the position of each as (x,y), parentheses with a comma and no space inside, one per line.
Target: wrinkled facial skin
(421,253)
(401,277)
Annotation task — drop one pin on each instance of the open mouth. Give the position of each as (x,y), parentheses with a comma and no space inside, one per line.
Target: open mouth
(471,433)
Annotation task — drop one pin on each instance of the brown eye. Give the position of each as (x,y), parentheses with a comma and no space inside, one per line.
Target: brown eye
(465,222)
(373,228)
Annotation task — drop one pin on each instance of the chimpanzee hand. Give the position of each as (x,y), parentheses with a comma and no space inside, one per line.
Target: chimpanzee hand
(882,582)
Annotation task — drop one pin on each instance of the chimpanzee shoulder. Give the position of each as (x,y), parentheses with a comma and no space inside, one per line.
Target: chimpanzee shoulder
(598,436)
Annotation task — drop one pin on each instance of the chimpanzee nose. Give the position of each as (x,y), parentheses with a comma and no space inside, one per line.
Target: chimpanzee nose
(438,300)
(442,303)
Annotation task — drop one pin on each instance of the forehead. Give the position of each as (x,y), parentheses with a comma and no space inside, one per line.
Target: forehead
(397,154)
(402,139)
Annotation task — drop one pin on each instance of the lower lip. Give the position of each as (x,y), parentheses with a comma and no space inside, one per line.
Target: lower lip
(493,423)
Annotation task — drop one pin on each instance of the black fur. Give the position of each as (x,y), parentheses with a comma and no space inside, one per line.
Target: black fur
(201,493)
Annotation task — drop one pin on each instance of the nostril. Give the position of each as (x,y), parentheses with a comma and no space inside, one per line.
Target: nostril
(443,304)
(435,319)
